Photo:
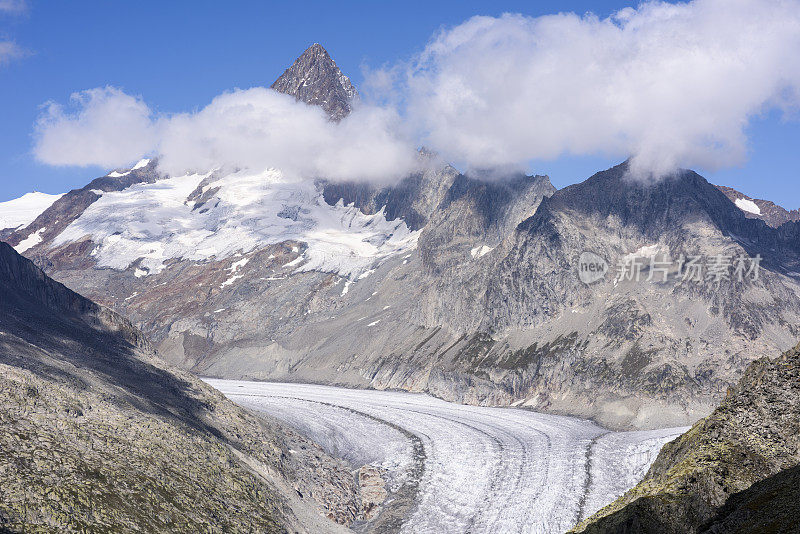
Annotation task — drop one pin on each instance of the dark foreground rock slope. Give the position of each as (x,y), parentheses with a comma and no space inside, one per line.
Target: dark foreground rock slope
(735,471)
(98,435)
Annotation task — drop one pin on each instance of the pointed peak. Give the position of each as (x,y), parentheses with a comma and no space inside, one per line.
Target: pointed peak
(316,49)
(315,79)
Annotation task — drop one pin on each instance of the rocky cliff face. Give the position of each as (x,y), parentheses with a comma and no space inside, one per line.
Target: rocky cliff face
(734,471)
(99,434)
(414,199)
(315,79)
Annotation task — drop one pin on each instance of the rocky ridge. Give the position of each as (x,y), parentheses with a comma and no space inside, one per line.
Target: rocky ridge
(734,471)
(769,212)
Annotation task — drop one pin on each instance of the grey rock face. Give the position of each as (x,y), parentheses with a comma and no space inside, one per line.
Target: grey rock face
(640,339)
(414,199)
(682,214)
(315,79)
(475,211)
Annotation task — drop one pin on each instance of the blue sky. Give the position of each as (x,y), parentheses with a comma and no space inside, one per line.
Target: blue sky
(179,55)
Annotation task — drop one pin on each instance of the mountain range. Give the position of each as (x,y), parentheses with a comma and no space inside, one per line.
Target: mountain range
(458,285)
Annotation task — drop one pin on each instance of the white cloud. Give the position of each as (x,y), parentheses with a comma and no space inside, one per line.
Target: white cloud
(672,85)
(669,84)
(255,128)
(259,128)
(9,50)
(106,127)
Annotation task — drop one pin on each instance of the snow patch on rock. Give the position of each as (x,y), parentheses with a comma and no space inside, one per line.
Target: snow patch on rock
(235,266)
(748,205)
(480,250)
(30,241)
(649,251)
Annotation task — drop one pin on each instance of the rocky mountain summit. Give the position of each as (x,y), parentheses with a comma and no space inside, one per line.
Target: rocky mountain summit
(769,212)
(737,470)
(461,286)
(315,79)
(98,434)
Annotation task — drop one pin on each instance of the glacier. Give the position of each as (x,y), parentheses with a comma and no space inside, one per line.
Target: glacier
(474,469)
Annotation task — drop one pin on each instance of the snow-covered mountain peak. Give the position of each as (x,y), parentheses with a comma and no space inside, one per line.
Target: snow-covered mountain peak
(23,210)
(148,224)
(141,164)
